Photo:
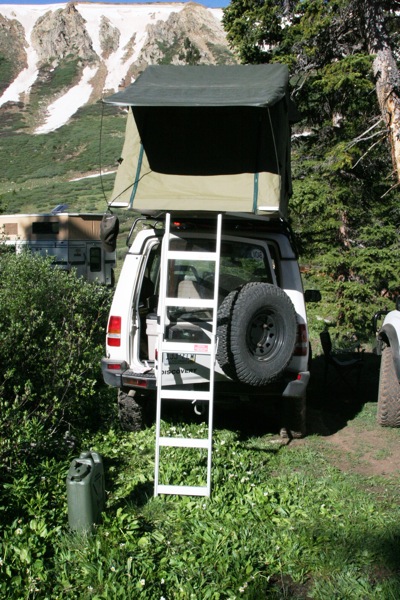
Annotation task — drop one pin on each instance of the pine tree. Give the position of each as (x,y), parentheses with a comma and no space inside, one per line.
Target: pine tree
(341,57)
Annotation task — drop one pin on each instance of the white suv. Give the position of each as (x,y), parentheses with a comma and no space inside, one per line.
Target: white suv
(263,346)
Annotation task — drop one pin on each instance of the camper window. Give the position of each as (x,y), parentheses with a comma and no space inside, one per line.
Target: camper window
(45,227)
(95,260)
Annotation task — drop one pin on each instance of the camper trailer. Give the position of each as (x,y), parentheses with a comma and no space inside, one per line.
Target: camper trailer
(71,239)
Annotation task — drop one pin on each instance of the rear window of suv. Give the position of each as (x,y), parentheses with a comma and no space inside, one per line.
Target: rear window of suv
(241,262)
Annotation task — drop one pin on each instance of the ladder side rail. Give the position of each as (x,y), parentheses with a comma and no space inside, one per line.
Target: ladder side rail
(213,352)
(161,317)
(217,270)
(164,275)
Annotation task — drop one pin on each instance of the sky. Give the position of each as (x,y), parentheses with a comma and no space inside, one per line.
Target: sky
(209,3)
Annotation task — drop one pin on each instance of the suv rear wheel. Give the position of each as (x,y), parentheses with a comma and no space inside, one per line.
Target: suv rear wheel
(130,410)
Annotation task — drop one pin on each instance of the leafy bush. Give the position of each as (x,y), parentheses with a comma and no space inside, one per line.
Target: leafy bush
(51,341)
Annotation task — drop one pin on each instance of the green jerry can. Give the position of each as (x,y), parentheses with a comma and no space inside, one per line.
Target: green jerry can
(85,491)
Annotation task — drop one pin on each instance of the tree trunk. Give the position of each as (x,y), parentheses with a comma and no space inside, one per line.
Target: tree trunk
(371,14)
(387,89)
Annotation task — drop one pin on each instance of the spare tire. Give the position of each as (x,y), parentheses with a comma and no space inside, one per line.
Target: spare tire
(257,329)
(224,322)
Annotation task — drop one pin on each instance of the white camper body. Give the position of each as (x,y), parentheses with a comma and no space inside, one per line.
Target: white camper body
(71,239)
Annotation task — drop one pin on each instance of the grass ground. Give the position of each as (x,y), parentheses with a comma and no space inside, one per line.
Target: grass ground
(310,518)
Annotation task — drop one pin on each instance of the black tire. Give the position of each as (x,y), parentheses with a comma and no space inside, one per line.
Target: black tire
(388,414)
(224,356)
(130,410)
(257,333)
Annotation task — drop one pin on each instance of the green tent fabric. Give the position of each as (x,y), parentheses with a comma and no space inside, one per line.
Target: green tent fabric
(206,86)
(206,138)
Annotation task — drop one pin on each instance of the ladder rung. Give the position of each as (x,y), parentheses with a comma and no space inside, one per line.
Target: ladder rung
(176,442)
(184,490)
(186,347)
(192,256)
(190,302)
(185,395)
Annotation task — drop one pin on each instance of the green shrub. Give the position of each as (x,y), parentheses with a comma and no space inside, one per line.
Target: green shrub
(51,341)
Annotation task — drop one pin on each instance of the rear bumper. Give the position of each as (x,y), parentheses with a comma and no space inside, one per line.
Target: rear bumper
(120,376)
(117,374)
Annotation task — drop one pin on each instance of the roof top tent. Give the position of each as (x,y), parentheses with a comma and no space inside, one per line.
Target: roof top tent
(211,138)
(72,239)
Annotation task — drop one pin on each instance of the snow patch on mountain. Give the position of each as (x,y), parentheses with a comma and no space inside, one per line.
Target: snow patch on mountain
(126,23)
(62,109)
(130,21)
(27,16)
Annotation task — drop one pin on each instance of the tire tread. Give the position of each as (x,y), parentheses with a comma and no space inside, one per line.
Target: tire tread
(388,413)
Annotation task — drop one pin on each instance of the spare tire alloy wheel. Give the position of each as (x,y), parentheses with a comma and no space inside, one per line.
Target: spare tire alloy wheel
(262,335)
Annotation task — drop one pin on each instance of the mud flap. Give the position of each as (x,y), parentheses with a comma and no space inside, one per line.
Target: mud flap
(294,408)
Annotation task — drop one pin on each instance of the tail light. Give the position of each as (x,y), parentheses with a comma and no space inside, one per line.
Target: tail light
(114,331)
(301,347)
(136,382)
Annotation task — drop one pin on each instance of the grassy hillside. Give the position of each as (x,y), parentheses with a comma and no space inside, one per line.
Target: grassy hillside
(38,171)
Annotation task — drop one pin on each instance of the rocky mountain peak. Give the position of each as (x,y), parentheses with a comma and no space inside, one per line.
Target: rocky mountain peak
(109,37)
(191,36)
(81,51)
(61,33)
(12,49)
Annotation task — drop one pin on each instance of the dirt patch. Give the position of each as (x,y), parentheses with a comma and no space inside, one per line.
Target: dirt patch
(365,451)
(344,419)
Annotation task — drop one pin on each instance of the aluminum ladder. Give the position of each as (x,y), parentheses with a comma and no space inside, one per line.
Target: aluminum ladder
(166,346)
